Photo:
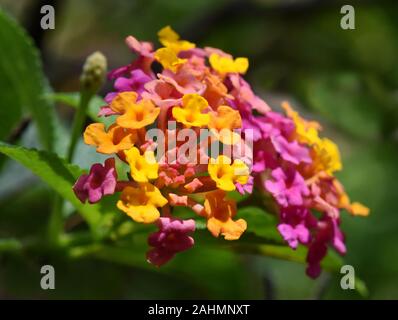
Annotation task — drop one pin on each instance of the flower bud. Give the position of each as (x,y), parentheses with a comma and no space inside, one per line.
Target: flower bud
(94,71)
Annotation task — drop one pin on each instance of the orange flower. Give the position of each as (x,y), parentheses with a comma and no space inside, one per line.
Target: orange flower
(112,141)
(344,202)
(123,101)
(220,212)
(134,115)
(223,122)
(216,91)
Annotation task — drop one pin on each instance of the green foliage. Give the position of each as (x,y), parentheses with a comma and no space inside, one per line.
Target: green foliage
(22,82)
(56,173)
(261,226)
(71,99)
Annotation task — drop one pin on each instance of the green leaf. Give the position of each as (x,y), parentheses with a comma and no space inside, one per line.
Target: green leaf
(22,82)
(235,195)
(10,245)
(331,263)
(261,226)
(71,99)
(57,174)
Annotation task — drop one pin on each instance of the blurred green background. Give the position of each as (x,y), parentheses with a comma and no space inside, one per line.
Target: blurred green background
(346,79)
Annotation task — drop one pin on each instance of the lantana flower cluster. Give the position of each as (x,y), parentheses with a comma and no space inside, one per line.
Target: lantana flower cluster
(280,155)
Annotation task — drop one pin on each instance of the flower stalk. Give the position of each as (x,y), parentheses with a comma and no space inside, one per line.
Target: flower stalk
(91,80)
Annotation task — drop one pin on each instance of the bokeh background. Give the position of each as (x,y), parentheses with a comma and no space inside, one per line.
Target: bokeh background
(346,79)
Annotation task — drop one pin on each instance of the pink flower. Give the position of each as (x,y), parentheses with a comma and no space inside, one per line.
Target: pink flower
(163,94)
(243,93)
(292,152)
(144,50)
(99,182)
(145,54)
(283,126)
(288,187)
(171,238)
(183,82)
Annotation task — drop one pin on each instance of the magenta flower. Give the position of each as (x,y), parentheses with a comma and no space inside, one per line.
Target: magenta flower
(271,136)
(171,238)
(316,252)
(282,125)
(264,157)
(246,188)
(328,232)
(144,50)
(294,235)
(260,128)
(292,152)
(295,226)
(99,182)
(135,82)
(288,187)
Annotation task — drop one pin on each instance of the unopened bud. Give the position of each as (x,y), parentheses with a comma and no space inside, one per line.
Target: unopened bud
(94,71)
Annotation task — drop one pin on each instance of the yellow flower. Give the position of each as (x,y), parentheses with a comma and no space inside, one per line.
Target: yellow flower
(112,141)
(223,122)
(170,39)
(226,174)
(228,65)
(324,152)
(134,115)
(219,213)
(141,203)
(190,113)
(306,131)
(326,157)
(142,167)
(168,59)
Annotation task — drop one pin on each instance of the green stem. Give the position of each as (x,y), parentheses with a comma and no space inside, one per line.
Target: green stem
(56,223)
(78,122)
